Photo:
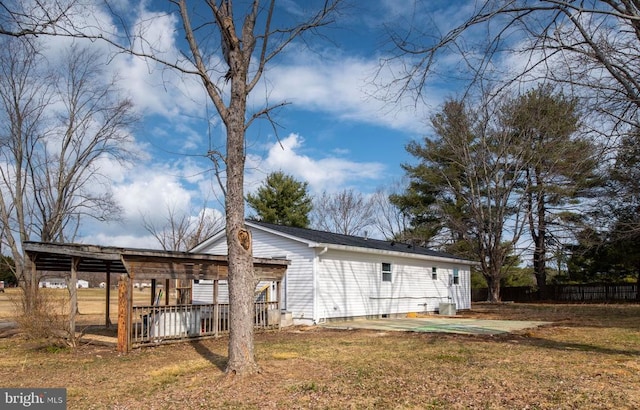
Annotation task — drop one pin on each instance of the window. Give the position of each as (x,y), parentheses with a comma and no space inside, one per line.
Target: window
(434,273)
(456,276)
(386,272)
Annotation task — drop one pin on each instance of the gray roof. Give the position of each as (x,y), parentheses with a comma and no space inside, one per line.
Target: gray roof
(355,241)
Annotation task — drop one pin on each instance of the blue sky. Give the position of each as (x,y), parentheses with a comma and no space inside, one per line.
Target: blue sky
(334,134)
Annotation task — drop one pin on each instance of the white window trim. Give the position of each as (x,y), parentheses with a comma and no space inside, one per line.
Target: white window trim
(390,272)
(455,277)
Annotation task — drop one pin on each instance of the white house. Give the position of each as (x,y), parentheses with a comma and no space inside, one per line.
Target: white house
(60,283)
(333,276)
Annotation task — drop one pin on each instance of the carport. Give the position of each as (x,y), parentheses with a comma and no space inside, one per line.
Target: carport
(154,323)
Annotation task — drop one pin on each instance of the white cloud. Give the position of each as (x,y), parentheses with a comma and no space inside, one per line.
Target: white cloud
(329,173)
(125,240)
(150,193)
(343,86)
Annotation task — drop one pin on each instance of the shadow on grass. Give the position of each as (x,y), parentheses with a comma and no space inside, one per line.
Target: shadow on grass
(593,315)
(215,359)
(533,341)
(571,346)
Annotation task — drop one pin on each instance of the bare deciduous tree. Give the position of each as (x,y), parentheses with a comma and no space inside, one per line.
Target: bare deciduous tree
(28,18)
(56,123)
(390,220)
(472,169)
(247,44)
(26,93)
(591,46)
(230,69)
(182,231)
(346,212)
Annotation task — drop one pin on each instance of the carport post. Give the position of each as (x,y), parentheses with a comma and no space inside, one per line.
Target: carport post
(124,314)
(153,293)
(167,283)
(107,312)
(73,294)
(278,292)
(216,308)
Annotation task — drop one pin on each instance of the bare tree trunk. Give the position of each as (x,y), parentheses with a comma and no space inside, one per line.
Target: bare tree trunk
(241,274)
(539,265)
(73,301)
(28,280)
(241,300)
(540,269)
(493,294)
(539,236)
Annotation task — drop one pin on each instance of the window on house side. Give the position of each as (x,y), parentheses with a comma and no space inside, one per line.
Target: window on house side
(386,272)
(456,276)
(434,273)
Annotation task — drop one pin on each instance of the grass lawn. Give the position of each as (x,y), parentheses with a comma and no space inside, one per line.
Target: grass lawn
(588,359)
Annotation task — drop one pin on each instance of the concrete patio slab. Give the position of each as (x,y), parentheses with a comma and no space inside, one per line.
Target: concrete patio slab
(439,325)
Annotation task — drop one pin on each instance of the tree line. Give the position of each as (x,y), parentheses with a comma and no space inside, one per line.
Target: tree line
(565,164)
(284,200)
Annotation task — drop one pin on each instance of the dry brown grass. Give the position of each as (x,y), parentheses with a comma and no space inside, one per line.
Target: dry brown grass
(588,359)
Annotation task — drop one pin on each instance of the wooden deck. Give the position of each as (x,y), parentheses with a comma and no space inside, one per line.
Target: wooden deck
(154,325)
(162,324)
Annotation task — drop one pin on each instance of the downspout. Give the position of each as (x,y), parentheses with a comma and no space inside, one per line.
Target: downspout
(316,262)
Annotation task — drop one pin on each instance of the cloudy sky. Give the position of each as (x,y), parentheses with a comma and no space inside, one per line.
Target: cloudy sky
(336,131)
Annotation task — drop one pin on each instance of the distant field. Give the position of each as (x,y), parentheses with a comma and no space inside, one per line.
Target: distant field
(589,358)
(91,302)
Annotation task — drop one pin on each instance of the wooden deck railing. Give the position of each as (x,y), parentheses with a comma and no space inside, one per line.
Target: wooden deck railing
(158,324)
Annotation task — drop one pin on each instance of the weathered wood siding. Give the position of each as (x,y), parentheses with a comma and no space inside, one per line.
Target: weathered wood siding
(350,284)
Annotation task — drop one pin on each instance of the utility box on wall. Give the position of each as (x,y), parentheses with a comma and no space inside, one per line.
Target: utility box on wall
(447,309)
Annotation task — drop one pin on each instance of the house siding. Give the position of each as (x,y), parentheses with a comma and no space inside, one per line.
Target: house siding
(202,292)
(218,248)
(334,283)
(461,293)
(350,285)
(297,286)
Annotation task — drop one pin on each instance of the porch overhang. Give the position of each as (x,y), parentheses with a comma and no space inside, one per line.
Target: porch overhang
(142,264)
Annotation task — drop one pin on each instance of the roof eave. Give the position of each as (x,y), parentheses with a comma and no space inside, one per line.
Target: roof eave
(282,234)
(202,246)
(391,253)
